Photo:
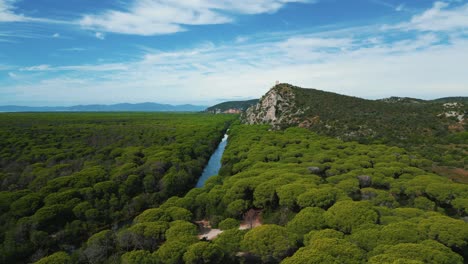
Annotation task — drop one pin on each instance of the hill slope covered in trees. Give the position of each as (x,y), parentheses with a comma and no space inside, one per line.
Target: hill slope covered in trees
(235,105)
(437,128)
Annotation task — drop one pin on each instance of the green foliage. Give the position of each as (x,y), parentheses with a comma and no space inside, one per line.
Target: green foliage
(67,176)
(318,197)
(230,241)
(181,230)
(418,125)
(328,250)
(309,218)
(270,242)
(56,258)
(171,252)
(351,203)
(137,257)
(446,230)
(240,105)
(203,252)
(427,252)
(229,223)
(347,215)
(99,246)
(319,234)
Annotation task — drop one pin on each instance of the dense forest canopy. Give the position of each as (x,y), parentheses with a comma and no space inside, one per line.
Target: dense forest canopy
(118,188)
(67,176)
(322,200)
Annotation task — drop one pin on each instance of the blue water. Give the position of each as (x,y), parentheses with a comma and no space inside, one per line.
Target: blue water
(214,164)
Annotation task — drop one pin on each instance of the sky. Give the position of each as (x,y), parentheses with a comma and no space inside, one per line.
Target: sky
(61,53)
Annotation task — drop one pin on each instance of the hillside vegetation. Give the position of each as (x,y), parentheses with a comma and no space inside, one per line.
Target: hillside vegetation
(65,177)
(436,129)
(235,105)
(321,200)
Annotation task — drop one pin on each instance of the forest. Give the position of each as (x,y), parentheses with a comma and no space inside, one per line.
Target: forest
(117,188)
(67,176)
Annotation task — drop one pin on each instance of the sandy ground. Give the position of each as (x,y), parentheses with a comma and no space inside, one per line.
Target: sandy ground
(255,223)
(211,233)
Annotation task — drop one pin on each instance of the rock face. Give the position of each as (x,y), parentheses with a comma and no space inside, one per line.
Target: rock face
(314,170)
(276,107)
(364,181)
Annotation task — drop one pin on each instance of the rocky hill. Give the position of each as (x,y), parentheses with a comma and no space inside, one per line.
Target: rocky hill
(396,121)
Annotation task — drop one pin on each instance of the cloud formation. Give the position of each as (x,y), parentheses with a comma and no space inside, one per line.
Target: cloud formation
(157,17)
(439,18)
(7,12)
(416,58)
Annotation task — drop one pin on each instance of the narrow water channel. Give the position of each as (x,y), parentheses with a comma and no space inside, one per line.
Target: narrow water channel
(214,164)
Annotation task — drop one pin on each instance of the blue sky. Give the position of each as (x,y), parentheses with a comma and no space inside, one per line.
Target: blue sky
(55,52)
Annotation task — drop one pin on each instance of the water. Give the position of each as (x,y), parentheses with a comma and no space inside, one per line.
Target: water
(214,164)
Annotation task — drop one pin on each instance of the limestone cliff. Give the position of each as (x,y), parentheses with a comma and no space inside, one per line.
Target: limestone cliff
(277,107)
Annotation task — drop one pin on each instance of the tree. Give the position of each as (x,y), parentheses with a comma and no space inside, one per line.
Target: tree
(323,197)
(148,235)
(56,258)
(428,251)
(328,250)
(152,215)
(26,205)
(178,213)
(307,219)
(270,242)
(203,252)
(288,194)
(99,246)
(319,234)
(181,229)
(229,223)
(230,241)
(171,252)
(346,215)
(237,208)
(399,232)
(366,237)
(137,257)
(448,231)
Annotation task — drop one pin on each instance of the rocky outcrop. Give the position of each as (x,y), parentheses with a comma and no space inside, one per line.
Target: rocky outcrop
(364,181)
(277,108)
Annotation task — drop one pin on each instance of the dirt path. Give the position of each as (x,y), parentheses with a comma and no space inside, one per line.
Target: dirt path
(252,219)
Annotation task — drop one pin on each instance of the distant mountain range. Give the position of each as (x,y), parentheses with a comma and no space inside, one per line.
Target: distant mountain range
(124,107)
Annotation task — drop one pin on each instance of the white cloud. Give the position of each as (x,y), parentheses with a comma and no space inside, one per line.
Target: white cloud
(74,49)
(415,67)
(156,17)
(100,35)
(12,75)
(439,18)
(400,7)
(78,68)
(56,35)
(366,64)
(241,39)
(7,12)
(43,67)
